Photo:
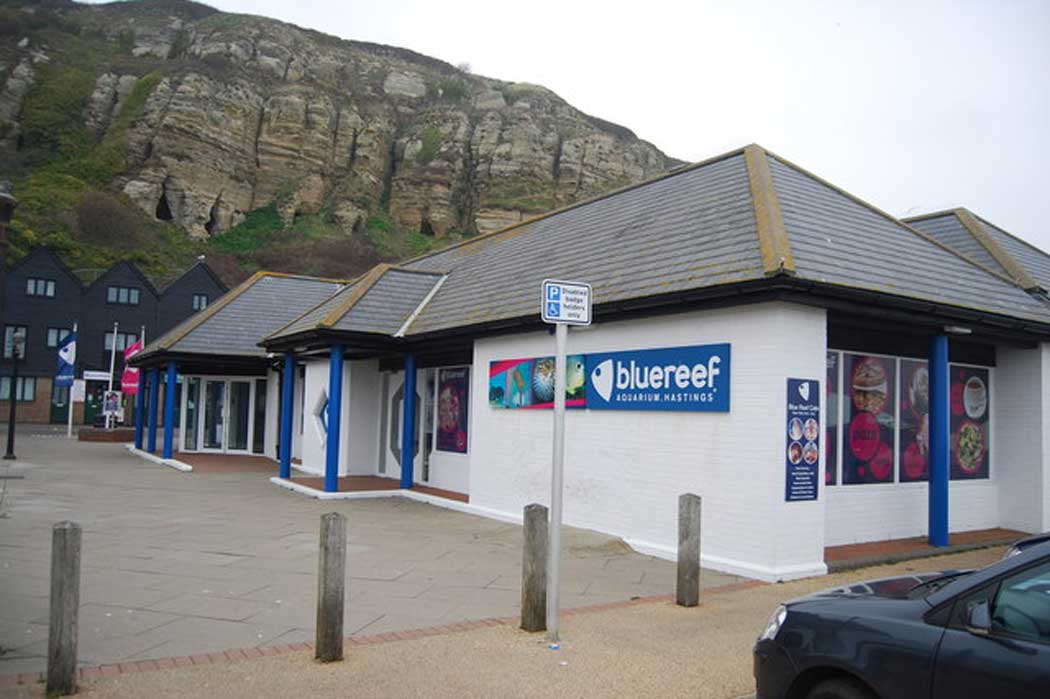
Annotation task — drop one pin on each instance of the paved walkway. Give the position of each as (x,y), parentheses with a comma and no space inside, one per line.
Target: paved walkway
(178,564)
(648,648)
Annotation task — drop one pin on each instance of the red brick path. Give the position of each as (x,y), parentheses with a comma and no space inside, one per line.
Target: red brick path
(917,546)
(358,484)
(237,655)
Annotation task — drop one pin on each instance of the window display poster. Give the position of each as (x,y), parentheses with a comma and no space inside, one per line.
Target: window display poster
(970,398)
(529,383)
(803,439)
(452,403)
(869,388)
(831,438)
(914,421)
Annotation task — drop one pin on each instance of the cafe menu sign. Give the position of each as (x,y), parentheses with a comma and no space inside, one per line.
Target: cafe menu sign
(803,439)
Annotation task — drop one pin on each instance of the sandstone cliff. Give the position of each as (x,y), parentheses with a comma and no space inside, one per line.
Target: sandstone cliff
(241,111)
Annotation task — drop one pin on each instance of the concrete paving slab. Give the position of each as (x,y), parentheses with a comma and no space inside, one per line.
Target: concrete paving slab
(209,563)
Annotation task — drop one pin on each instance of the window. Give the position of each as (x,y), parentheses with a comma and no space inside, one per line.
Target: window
(25,391)
(56,335)
(9,340)
(124,340)
(200,302)
(124,295)
(878,424)
(40,287)
(1022,607)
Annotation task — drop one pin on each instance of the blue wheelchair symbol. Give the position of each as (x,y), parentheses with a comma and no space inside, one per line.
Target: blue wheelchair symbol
(553,309)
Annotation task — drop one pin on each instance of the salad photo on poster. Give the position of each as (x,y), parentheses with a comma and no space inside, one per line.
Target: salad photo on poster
(970,398)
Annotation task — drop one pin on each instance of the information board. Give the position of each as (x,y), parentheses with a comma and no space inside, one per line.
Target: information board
(803,428)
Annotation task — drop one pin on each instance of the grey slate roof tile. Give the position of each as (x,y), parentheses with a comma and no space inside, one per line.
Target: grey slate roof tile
(688,230)
(1034,260)
(840,241)
(950,231)
(234,326)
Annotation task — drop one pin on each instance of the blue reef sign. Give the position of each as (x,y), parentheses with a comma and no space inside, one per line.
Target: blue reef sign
(694,378)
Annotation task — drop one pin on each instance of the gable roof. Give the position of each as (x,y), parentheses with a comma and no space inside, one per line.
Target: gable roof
(124,264)
(50,255)
(199,265)
(233,324)
(379,302)
(1024,263)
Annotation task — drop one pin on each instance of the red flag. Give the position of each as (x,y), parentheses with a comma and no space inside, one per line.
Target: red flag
(129,380)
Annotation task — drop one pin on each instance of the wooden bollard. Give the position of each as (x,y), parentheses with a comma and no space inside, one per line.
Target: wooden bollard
(687,593)
(331,588)
(65,606)
(534,570)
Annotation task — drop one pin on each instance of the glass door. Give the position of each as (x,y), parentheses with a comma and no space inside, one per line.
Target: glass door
(240,410)
(193,396)
(214,414)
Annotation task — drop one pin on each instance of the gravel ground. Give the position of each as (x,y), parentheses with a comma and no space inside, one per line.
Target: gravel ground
(652,649)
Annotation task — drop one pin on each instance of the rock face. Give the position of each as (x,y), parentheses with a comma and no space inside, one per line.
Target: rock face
(252,111)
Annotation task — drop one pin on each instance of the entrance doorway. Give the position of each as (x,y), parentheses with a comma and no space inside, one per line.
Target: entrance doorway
(223,415)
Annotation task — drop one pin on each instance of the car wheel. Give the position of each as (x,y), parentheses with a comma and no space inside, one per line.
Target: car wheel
(840,688)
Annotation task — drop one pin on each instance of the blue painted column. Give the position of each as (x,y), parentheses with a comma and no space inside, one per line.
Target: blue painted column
(169,411)
(287,414)
(408,422)
(335,414)
(940,389)
(154,399)
(140,403)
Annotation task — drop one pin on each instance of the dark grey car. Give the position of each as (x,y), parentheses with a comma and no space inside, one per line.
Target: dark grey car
(983,633)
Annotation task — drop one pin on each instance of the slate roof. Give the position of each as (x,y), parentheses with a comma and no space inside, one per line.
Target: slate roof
(380,302)
(693,228)
(974,236)
(743,216)
(234,323)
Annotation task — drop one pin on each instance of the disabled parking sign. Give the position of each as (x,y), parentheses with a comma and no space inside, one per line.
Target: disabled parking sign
(566,302)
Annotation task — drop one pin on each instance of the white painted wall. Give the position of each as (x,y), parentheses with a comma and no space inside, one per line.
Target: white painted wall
(1044,430)
(360,445)
(273,402)
(1019,410)
(624,470)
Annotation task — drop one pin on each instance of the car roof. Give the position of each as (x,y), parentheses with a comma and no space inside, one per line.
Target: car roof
(978,578)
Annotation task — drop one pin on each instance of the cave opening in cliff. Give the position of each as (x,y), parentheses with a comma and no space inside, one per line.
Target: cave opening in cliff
(163,209)
(212,226)
(425,228)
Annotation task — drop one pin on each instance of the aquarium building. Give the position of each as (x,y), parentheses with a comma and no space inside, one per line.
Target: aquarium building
(820,372)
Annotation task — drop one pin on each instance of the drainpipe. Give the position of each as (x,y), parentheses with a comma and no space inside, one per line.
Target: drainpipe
(335,410)
(940,388)
(408,422)
(287,414)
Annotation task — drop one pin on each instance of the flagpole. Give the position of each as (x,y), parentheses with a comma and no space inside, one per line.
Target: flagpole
(69,400)
(112,366)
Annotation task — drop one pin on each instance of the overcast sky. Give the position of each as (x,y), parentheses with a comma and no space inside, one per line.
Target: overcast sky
(911,106)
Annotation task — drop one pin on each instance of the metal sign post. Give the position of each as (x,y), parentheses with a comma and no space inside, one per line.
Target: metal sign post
(564,304)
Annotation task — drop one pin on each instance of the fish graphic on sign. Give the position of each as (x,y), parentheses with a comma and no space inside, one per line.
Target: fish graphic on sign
(602,379)
(803,390)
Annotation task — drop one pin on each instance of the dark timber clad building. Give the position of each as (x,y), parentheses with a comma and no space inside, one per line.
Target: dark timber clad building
(43,298)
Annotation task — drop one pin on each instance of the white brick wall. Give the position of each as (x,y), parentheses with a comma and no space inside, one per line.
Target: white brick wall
(624,470)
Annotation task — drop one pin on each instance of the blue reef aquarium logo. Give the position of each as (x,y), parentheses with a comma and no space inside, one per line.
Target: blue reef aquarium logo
(673,378)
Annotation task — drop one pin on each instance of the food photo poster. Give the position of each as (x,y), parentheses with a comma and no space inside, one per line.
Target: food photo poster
(452,402)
